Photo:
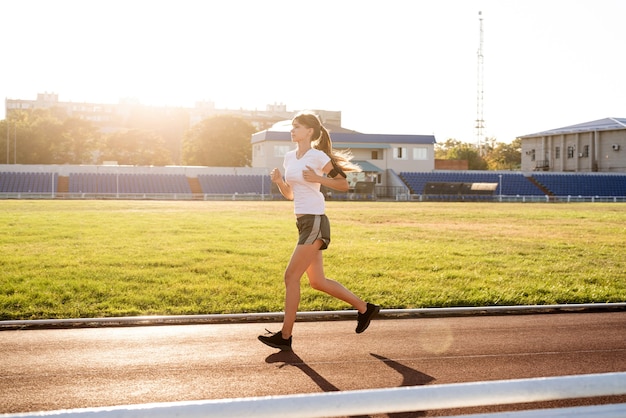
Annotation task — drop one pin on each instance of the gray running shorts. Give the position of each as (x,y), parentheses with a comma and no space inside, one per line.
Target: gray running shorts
(312,228)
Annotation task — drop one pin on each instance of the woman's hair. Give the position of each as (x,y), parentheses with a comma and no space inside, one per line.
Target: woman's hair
(321,141)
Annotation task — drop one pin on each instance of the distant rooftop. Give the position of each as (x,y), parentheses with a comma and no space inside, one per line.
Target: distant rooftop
(342,136)
(607,124)
(285,126)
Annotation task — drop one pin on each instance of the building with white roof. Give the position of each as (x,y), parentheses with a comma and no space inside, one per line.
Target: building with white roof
(597,146)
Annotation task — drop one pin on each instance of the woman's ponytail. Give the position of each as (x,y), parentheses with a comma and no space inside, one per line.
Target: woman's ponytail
(324,142)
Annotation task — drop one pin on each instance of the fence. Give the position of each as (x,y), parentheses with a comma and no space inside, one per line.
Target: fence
(378,401)
(389,196)
(522,199)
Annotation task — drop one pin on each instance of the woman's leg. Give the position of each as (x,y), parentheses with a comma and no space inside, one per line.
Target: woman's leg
(301,258)
(319,281)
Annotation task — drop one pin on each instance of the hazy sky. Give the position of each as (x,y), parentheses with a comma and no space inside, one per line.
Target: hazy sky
(390,66)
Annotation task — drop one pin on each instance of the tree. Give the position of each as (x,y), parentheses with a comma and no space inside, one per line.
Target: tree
(503,156)
(135,147)
(29,136)
(495,155)
(454,149)
(44,133)
(219,141)
(6,135)
(76,142)
(41,136)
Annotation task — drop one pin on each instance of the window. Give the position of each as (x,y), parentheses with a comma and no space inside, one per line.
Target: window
(281,150)
(532,155)
(586,151)
(374,155)
(420,153)
(399,153)
(557,152)
(570,152)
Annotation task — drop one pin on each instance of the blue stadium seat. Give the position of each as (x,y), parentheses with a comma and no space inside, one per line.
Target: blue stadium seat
(11,182)
(583,184)
(111,183)
(417,181)
(233,183)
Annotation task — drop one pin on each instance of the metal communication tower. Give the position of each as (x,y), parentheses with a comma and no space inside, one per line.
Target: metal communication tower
(480,122)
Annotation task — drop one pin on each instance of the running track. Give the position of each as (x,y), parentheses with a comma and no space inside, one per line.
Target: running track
(50,369)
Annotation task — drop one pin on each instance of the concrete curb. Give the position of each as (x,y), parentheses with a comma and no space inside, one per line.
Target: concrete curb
(304,316)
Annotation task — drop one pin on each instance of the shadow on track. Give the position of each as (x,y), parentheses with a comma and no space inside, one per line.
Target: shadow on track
(292,359)
(410,377)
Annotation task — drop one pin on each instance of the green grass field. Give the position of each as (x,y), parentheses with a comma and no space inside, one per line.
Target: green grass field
(71,259)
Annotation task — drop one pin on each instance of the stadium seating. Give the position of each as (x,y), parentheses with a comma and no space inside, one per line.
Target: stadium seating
(537,184)
(232,184)
(11,182)
(518,184)
(583,184)
(508,183)
(111,183)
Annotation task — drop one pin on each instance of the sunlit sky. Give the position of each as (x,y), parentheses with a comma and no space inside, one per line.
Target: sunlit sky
(392,66)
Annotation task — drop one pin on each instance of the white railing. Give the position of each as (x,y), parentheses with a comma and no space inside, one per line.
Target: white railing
(376,401)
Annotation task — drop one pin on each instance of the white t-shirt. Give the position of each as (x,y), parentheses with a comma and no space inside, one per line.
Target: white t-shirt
(307,198)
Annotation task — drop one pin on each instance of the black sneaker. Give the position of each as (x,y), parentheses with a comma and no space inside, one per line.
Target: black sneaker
(363,319)
(276,340)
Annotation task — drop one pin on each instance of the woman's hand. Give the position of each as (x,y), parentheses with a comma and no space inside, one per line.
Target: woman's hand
(276,176)
(338,183)
(284,188)
(310,175)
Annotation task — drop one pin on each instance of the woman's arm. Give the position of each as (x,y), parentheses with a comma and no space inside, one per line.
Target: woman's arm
(338,183)
(283,187)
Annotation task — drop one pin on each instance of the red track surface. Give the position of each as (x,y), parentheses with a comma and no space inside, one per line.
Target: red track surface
(59,369)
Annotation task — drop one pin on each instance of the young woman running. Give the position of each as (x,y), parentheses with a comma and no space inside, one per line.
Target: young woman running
(312,164)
